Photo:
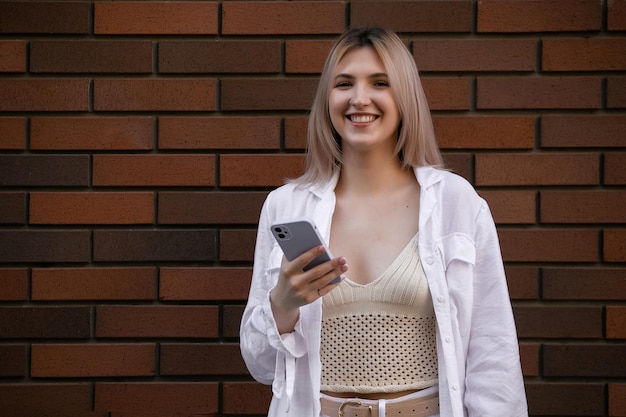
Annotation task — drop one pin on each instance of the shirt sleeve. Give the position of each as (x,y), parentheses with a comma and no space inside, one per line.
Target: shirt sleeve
(494,381)
(269,356)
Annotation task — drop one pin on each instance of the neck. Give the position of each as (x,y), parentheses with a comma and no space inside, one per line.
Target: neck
(373,175)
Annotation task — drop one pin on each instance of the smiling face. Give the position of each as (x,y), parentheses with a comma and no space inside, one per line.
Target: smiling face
(362,107)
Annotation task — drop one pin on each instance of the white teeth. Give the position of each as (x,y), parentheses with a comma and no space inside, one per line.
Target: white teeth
(362,118)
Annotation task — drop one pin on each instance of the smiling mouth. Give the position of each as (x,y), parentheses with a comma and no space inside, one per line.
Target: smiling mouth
(361,118)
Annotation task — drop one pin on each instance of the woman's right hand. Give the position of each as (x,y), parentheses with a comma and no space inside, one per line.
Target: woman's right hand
(297,287)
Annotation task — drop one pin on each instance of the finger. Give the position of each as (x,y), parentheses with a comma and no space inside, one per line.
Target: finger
(299,263)
(334,275)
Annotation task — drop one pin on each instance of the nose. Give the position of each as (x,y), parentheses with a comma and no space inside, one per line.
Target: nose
(360,96)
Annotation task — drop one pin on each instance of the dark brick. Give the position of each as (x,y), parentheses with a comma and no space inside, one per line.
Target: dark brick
(231,320)
(44,246)
(13,284)
(584,284)
(44,17)
(44,322)
(565,399)
(267,94)
(77,56)
(219,56)
(44,94)
(12,360)
(158,245)
(45,400)
(558,322)
(210,208)
(415,16)
(13,208)
(44,170)
(584,360)
(246,398)
(201,359)
(202,283)
(12,132)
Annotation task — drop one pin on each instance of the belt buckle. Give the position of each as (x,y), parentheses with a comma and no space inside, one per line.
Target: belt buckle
(353,403)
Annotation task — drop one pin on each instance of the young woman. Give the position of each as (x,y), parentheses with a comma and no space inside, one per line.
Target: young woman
(421,322)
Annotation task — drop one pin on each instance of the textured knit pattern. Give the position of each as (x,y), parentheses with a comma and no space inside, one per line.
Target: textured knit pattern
(380,337)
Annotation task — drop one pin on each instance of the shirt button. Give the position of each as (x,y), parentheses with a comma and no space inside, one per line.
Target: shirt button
(430,260)
(448,340)
(440,299)
(455,387)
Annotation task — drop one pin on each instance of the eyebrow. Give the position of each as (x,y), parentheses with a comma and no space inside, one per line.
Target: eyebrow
(375,75)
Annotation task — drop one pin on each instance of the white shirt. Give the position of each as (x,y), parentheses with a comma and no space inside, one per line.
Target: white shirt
(477,349)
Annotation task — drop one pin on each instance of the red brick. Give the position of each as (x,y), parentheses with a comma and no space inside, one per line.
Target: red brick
(157,321)
(539,93)
(154,94)
(155,18)
(153,170)
(13,207)
(116,283)
(12,133)
(548,322)
(306,56)
(237,245)
(77,56)
(296,132)
(210,208)
(529,358)
(202,359)
(267,93)
(460,163)
(605,206)
(522,282)
(25,170)
(177,398)
(276,17)
(510,206)
(219,56)
(54,17)
(447,93)
(259,170)
(583,131)
(23,322)
(565,399)
(12,56)
(537,169)
(485,132)
(13,284)
(44,94)
(616,20)
(180,284)
(159,245)
(29,245)
(551,245)
(617,400)
(414,16)
(91,133)
(92,360)
(219,133)
(584,360)
(615,168)
(590,54)
(615,245)
(616,92)
(12,361)
(56,399)
(583,284)
(616,322)
(475,54)
(246,398)
(91,208)
(539,15)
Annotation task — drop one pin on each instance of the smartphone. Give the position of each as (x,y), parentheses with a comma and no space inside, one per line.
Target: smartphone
(296,236)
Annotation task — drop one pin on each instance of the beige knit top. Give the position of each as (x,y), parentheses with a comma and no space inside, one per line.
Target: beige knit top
(380,337)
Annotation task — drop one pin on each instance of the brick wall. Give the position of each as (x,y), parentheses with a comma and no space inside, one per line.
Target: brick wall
(139,139)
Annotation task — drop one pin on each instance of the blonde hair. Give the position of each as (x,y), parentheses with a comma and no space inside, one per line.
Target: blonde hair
(416,138)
